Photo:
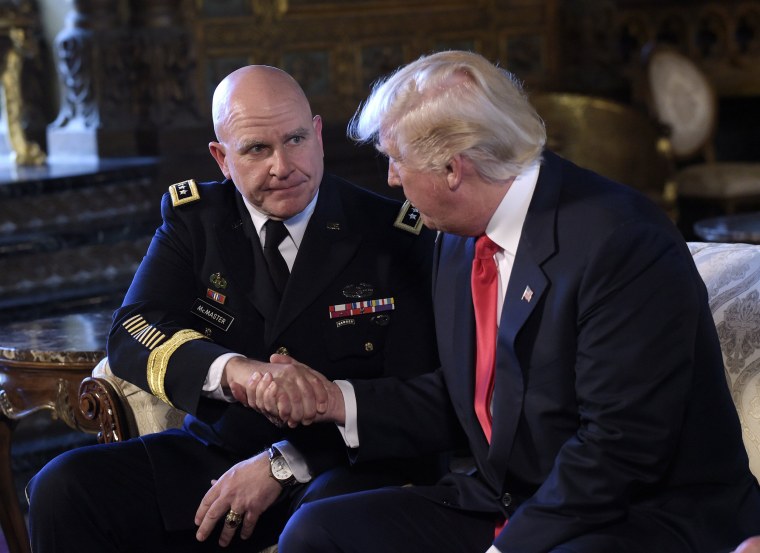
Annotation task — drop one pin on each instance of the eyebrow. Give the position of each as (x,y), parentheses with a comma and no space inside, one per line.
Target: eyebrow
(246,144)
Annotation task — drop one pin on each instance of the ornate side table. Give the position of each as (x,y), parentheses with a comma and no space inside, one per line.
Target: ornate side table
(42,363)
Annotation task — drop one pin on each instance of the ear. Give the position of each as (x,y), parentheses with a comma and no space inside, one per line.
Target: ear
(317,124)
(219,155)
(454,172)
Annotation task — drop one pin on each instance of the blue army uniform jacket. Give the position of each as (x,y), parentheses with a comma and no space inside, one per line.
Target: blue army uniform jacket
(195,297)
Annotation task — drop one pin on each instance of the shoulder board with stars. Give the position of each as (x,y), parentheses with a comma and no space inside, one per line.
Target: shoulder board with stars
(184,192)
(408,219)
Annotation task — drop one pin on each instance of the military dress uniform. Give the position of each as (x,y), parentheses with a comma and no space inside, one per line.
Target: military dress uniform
(356,305)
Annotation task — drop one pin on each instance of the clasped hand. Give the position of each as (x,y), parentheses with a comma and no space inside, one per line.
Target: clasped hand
(285,391)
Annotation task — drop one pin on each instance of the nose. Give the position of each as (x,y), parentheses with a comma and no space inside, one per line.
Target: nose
(394,180)
(281,165)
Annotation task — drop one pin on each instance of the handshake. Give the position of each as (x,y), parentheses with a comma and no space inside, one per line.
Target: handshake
(285,391)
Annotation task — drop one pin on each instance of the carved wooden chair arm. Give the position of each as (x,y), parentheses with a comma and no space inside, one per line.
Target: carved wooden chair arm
(99,401)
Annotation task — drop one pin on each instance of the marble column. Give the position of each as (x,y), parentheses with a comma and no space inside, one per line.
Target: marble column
(98,115)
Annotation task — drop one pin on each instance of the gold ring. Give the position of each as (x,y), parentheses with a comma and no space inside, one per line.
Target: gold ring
(233,519)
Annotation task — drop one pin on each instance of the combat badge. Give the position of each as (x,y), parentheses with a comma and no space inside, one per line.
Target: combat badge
(218,280)
(358,291)
(184,192)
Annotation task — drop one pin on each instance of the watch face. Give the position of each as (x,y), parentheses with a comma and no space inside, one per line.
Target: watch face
(281,469)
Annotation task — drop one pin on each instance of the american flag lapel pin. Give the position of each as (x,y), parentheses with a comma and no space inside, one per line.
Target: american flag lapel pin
(527,294)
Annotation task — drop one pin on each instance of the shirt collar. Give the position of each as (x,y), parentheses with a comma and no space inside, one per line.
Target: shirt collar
(506,224)
(296,225)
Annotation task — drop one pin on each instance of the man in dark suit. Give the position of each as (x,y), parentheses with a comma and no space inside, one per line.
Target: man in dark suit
(578,352)
(345,286)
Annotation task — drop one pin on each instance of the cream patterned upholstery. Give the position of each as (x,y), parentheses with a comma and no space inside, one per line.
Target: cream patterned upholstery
(145,412)
(732,275)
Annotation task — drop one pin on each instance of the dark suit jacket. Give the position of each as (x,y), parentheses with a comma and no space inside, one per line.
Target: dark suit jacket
(210,244)
(609,395)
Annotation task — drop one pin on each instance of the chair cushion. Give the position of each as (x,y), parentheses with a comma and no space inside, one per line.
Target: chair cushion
(723,180)
(732,275)
(150,413)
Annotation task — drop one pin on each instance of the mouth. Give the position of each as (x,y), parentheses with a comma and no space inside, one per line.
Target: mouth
(284,187)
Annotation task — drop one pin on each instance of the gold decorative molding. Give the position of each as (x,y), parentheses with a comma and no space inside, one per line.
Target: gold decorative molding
(337,48)
(15,27)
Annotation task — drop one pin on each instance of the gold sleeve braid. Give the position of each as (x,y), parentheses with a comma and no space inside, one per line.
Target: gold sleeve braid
(158,361)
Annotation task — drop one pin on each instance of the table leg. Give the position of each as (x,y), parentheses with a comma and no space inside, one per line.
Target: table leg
(11,517)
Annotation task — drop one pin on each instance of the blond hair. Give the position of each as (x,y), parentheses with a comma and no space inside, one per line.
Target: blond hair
(451,103)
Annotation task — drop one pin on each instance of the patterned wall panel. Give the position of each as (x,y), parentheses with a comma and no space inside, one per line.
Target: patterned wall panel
(337,49)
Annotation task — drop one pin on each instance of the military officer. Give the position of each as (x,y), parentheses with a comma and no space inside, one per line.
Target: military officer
(280,258)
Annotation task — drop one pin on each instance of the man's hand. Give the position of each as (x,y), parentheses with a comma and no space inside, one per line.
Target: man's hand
(295,394)
(237,372)
(248,489)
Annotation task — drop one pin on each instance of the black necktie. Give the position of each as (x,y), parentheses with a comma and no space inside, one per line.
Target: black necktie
(278,269)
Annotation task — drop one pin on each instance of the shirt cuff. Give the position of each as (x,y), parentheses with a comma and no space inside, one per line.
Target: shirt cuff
(350,431)
(212,385)
(295,460)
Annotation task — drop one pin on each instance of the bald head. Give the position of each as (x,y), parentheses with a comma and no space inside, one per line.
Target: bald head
(253,87)
(268,142)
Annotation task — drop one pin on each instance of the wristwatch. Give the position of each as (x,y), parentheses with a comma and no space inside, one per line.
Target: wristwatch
(280,468)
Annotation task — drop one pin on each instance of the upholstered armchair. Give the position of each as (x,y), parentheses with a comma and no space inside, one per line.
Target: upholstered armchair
(732,275)
(614,139)
(682,98)
(122,409)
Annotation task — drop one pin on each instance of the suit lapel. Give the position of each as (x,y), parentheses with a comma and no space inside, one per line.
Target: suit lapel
(527,286)
(455,320)
(328,246)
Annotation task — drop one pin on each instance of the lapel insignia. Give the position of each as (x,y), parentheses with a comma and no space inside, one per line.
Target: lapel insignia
(216,296)
(358,291)
(527,294)
(361,307)
(218,280)
(332,225)
(408,218)
(184,192)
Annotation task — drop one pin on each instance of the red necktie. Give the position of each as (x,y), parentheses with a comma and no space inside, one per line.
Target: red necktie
(485,287)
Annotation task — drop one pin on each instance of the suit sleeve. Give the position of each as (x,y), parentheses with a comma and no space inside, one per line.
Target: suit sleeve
(410,346)
(638,317)
(153,342)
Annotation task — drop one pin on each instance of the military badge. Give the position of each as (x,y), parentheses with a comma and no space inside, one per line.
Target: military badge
(409,219)
(216,296)
(184,192)
(361,308)
(358,291)
(218,280)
